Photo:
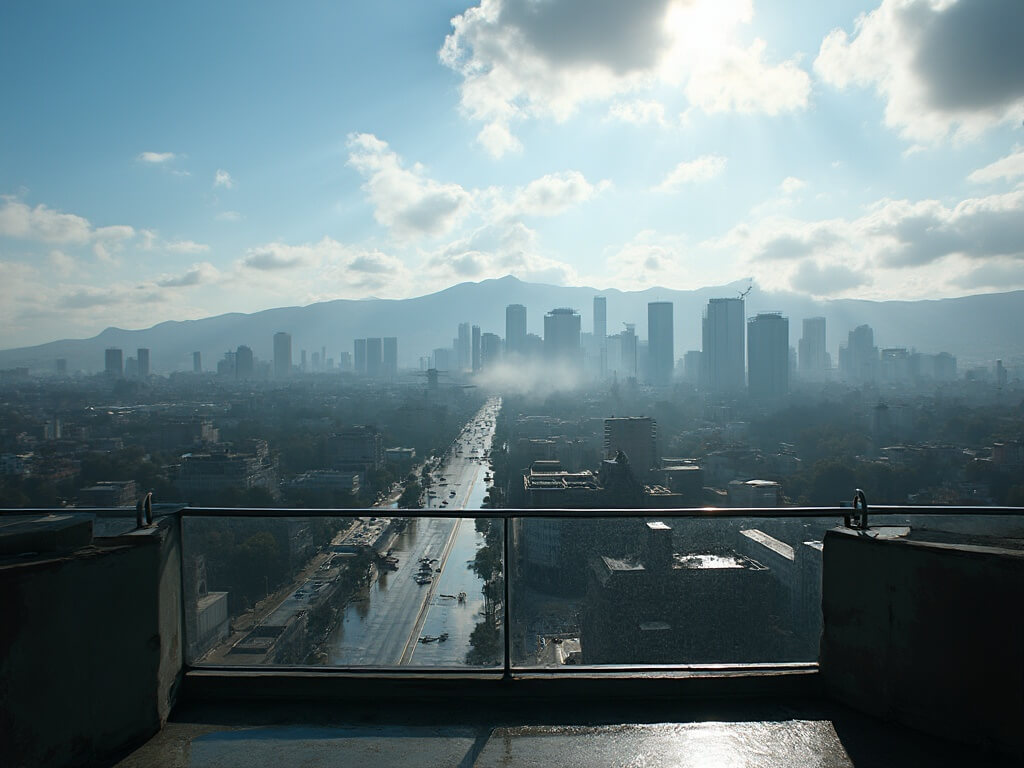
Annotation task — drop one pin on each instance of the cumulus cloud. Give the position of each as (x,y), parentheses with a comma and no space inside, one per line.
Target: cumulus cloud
(791,185)
(155,158)
(231,216)
(197,274)
(1005,168)
(223,179)
(704,168)
(522,59)
(42,224)
(186,246)
(647,260)
(405,200)
(555,193)
(1000,274)
(638,112)
(826,279)
(944,68)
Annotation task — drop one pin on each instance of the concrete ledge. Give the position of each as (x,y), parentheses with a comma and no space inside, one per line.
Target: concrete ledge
(928,633)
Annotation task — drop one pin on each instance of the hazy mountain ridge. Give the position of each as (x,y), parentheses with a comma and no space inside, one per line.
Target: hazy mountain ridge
(974,328)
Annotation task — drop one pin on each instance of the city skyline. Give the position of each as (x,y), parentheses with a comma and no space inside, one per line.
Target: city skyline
(797,160)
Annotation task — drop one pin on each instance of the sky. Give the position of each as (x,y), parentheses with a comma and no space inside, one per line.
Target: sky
(176,161)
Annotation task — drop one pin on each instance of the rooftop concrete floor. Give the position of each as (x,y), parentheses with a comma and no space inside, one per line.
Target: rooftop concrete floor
(732,733)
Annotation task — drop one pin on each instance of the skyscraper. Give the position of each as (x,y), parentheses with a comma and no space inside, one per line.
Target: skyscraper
(722,354)
(143,357)
(813,355)
(244,363)
(359,356)
(390,364)
(197,362)
(661,344)
(463,355)
(636,437)
(475,354)
(282,355)
(562,335)
(515,329)
(768,355)
(600,319)
(113,363)
(490,350)
(858,360)
(374,358)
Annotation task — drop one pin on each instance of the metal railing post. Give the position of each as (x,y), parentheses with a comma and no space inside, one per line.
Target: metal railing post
(507,671)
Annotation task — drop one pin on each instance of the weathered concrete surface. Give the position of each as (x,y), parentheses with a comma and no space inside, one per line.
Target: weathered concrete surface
(929,633)
(90,648)
(309,746)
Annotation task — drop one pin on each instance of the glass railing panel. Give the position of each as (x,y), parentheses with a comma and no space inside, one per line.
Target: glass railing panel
(343,591)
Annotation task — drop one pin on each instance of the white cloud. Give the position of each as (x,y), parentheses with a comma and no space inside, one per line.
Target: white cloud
(228,216)
(555,193)
(156,158)
(223,179)
(791,185)
(186,246)
(741,81)
(203,272)
(1007,168)
(522,59)
(704,168)
(405,200)
(944,68)
(638,112)
(41,223)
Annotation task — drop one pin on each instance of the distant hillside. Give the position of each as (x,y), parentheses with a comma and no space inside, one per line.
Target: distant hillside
(974,328)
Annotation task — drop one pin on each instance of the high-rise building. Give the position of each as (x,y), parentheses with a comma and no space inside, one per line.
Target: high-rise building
(813,358)
(635,436)
(359,356)
(722,366)
(244,363)
(490,350)
(374,358)
(515,329)
(858,360)
(661,343)
(197,362)
(113,363)
(562,335)
(601,334)
(768,355)
(691,366)
(390,364)
(463,354)
(475,354)
(143,357)
(345,362)
(282,355)
(442,359)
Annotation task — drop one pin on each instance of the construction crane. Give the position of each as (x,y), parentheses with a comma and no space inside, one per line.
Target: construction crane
(743,294)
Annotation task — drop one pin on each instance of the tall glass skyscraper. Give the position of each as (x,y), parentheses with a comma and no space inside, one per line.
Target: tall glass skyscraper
(661,343)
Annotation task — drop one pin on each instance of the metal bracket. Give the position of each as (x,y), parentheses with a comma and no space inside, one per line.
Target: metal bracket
(144,511)
(859,517)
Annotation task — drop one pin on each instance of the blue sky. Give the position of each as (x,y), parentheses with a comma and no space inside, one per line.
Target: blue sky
(170,162)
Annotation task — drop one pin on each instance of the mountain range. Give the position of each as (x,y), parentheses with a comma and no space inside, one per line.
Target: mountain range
(977,329)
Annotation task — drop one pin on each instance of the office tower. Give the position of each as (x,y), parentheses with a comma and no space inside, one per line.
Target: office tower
(244,363)
(691,366)
(143,357)
(722,353)
(345,362)
(515,329)
(359,356)
(197,362)
(475,354)
(316,362)
(442,359)
(813,355)
(562,335)
(131,368)
(282,355)
(302,361)
(858,360)
(463,354)
(768,355)
(113,364)
(374,358)
(636,437)
(490,350)
(661,344)
(390,357)
(601,334)
(600,319)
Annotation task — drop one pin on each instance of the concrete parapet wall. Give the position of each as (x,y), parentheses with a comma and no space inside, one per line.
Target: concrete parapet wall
(927,634)
(90,648)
